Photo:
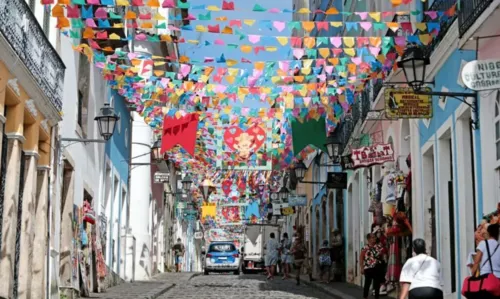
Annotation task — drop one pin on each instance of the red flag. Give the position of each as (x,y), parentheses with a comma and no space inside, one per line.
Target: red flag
(180,131)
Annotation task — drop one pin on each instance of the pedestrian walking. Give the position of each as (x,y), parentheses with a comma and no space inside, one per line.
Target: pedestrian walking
(272,255)
(325,261)
(371,259)
(286,256)
(299,252)
(421,277)
(337,254)
(179,251)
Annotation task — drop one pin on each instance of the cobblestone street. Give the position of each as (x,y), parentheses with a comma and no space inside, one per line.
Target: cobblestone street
(188,285)
(243,286)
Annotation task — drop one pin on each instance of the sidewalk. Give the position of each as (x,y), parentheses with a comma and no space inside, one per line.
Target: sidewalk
(339,290)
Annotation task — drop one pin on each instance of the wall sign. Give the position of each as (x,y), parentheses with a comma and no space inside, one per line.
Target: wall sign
(482,74)
(297,200)
(286,211)
(161,177)
(371,155)
(404,103)
(336,180)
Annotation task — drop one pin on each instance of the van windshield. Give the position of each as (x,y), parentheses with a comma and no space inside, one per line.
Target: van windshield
(222,248)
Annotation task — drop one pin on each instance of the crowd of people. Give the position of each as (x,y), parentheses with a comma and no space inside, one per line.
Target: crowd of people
(292,256)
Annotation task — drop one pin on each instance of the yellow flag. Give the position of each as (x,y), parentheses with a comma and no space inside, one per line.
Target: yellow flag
(282,40)
(249,22)
(271,49)
(349,41)
(246,48)
(201,28)
(304,10)
(375,16)
(336,24)
(213,8)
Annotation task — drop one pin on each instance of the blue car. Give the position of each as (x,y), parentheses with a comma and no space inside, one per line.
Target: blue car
(222,257)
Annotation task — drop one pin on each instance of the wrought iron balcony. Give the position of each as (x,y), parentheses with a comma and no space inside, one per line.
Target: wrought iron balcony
(445,22)
(470,11)
(20,28)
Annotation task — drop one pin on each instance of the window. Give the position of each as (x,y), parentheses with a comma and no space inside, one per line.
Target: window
(497,125)
(83,95)
(222,248)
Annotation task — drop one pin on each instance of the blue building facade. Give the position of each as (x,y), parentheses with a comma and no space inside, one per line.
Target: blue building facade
(118,156)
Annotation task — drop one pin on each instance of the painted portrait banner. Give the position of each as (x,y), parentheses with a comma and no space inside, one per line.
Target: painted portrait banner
(372,155)
(245,145)
(404,103)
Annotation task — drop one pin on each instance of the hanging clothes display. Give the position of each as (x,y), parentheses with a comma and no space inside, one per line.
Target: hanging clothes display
(394,265)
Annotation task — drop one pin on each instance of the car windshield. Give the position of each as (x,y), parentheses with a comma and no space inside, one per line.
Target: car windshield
(222,248)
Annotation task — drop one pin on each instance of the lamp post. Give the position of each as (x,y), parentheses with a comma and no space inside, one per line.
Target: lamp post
(156,151)
(186,183)
(300,172)
(207,188)
(106,123)
(414,64)
(283,194)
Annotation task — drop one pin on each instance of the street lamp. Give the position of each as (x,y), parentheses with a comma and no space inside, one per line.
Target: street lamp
(333,146)
(186,183)
(106,121)
(300,171)
(206,188)
(414,64)
(283,194)
(156,150)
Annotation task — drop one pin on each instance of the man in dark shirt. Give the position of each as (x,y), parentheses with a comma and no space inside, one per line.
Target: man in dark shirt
(179,251)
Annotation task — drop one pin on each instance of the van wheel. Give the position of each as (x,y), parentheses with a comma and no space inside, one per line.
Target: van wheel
(237,272)
(205,272)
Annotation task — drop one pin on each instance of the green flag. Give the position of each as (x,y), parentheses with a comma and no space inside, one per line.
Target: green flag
(309,132)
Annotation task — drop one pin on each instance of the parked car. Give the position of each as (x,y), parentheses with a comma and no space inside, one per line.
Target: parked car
(222,257)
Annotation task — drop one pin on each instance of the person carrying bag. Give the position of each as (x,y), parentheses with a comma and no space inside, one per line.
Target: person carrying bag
(487,284)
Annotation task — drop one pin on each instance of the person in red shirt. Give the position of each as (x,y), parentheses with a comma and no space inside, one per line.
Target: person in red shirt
(372,258)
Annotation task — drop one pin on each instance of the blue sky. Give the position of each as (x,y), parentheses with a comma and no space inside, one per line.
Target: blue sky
(201,51)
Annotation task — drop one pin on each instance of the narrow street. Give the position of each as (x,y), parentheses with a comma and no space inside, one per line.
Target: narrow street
(220,286)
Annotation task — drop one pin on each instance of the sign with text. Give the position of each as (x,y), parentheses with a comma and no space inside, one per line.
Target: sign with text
(161,177)
(372,155)
(404,103)
(482,74)
(198,235)
(297,200)
(336,180)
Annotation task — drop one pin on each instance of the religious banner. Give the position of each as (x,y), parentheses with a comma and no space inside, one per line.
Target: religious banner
(372,155)
(180,131)
(245,145)
(404,103)
(230,215)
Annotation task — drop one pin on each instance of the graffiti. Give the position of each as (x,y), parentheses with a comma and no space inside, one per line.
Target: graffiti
(144,259)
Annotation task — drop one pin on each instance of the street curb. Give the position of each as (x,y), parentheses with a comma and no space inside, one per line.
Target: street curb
(160,292)
(334,293)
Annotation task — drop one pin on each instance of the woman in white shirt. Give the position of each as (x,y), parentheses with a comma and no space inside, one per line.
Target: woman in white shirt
(481,260)
(272,255)
(421,275)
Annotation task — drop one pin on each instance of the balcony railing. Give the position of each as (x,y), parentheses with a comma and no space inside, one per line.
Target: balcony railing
(445,22)
(470,11)
(21,29)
